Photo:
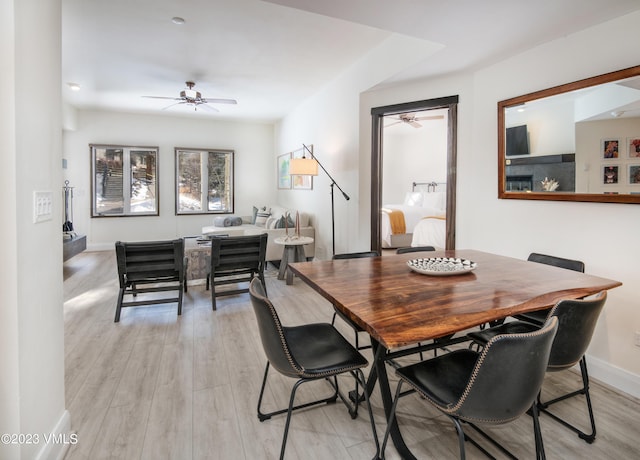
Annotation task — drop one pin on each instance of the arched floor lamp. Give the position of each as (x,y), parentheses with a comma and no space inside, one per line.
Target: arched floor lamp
(309,167)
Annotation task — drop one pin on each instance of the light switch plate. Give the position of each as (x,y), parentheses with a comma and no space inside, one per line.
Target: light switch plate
(42,206)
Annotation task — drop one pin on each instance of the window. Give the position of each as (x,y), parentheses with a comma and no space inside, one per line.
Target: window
(204,181)
(124,181)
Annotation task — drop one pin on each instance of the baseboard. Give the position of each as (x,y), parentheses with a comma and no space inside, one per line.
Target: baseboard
(101,247)
(60,440)
(613,376)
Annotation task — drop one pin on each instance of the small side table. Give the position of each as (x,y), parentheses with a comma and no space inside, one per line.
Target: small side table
(293,252)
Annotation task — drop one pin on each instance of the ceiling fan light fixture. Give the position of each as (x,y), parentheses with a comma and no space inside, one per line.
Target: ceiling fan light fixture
(73,86)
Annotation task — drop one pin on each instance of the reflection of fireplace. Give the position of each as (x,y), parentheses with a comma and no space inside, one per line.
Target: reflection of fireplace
(519,183)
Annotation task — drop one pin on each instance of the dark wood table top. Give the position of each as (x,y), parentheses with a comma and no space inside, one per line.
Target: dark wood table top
(399,307)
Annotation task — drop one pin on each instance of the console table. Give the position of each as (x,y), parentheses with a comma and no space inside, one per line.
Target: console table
(73,246)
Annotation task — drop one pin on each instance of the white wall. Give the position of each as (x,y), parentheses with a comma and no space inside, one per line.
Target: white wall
(254,169)
(330,120)
(413,155)
(31,322)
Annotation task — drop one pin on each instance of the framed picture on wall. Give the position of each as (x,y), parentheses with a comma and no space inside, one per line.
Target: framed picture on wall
(610,174)
(284,179)
(633,144)
(634,174)
(610,149)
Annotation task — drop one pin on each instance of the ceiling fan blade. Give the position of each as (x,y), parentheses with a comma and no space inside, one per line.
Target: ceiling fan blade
(164,97)
(171,105)
(415,124)
(431,117)
(208,107)
(219,101)
(391,124)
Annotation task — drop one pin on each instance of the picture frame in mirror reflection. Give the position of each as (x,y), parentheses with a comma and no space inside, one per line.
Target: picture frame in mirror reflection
(610,149)
(633,144)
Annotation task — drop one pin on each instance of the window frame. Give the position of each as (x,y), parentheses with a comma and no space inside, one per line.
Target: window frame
(126,182)
(204,194)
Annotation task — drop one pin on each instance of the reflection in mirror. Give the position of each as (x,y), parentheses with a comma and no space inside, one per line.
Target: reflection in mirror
(575,142)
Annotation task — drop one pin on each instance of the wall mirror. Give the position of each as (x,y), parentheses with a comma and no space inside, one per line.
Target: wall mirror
(575,142)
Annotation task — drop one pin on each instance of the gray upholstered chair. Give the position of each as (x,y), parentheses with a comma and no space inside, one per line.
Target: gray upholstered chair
(493,386)
(308,352)
(576,322)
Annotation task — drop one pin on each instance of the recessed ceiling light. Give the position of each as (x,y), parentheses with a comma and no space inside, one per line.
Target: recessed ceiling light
(177,20)
(73,86)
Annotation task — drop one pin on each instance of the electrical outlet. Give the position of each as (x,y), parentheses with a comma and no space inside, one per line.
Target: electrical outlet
(637,338)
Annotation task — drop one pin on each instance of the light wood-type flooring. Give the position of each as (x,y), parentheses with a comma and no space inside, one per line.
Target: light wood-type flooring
(159,386)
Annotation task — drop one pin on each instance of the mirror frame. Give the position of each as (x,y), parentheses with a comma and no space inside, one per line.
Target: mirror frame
(551,196)
(377,128)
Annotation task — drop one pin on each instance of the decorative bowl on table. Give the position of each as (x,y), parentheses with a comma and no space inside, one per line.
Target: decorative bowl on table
(442,266)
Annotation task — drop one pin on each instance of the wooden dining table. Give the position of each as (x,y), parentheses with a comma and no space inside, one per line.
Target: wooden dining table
(400,308)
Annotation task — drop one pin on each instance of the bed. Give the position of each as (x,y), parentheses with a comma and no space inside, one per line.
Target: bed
(430,231)
(398,221)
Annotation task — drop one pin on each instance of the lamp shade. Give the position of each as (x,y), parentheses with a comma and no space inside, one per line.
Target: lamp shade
(303,167)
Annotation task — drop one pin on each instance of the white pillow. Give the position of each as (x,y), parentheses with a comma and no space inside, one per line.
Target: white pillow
(435,200)
(262,216)
(413,199)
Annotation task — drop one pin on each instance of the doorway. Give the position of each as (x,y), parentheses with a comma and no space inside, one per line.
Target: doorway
(404,112)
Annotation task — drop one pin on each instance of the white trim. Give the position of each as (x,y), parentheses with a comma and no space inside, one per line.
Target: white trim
(57,451)
(101,247)
(619,379)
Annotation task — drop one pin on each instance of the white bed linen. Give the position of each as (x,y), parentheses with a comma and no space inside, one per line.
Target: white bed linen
(412,215)
(430,232)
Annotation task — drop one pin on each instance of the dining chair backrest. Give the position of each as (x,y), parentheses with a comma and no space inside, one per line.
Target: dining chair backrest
(232,253)
(569,264)
(356,255)
(507,376)
(576,322)
(271,330)
(415,249)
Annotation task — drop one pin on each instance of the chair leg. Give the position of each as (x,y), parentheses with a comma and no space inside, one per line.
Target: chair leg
(540,455)
(461,437)
(543,406)
(287,423)
(213,295)
(119,305)
(180,289)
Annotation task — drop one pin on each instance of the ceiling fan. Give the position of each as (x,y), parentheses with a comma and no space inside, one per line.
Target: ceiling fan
(412,119)
(191,97)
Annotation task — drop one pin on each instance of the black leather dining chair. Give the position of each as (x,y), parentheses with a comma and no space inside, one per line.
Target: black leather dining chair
(493,386)
(576,322)
(307,353)
(336,312)
(414,249)
(539,317)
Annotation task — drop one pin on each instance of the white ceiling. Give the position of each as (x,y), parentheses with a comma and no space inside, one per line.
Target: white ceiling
(271,55)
